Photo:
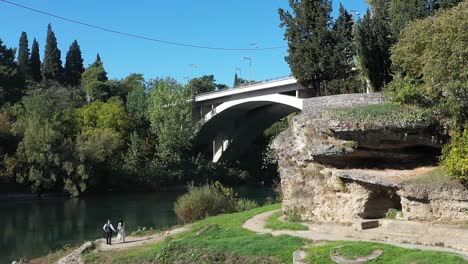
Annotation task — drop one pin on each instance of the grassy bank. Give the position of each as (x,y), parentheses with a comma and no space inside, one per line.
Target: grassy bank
(273,222)
(221,239)
(390,255)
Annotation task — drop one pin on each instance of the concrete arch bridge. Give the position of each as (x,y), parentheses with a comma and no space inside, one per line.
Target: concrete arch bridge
(233,118)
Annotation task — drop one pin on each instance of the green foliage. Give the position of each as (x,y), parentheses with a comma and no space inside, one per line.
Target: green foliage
(391,254)
(384,115)
(73,66)
(373,41)
(23,56)
(204,201)
(403,11)
(392,213)
(438,69)
(455,156)
(274,223)
(402,90)
(97,144)
(52,64)
(170,115)
(309,40)
(206,83)
(11,82)
(35,62)
(94,81)
(137,105)
(110,114)
(243,204)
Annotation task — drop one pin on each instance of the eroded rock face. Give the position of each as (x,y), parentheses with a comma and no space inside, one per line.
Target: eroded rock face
(333,172)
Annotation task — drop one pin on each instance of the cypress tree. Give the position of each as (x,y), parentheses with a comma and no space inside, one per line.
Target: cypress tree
(309,41)
(35,62)
(403,11)
(343,54)
(236,80)
(73,66)
(94,81)
(52,65)
(373,42)
(23,56)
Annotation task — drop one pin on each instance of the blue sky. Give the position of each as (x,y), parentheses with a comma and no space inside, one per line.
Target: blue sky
(226,23)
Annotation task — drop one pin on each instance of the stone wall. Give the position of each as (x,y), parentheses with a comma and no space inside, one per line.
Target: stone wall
(317,105)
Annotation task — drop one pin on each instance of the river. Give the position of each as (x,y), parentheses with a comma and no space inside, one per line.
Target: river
(35,227)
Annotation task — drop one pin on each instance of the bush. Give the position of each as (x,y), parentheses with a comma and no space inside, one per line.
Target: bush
(455,156)
(209,200)
(244,204)
(204,201)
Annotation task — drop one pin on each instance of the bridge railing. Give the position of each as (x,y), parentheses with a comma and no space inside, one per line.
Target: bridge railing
(250,84)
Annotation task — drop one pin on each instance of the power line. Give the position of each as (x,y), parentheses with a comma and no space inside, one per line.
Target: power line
(136,36)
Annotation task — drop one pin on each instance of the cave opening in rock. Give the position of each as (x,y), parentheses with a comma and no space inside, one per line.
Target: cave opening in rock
(380,201)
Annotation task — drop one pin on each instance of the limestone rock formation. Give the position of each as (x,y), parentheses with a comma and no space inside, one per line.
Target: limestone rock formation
(333,170)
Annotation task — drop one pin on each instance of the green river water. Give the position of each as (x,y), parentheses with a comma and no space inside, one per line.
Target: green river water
(35,227)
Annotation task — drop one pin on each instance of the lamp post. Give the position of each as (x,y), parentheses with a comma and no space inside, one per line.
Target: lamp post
(250,59)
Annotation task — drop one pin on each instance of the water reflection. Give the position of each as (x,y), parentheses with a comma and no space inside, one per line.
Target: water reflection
(34,228)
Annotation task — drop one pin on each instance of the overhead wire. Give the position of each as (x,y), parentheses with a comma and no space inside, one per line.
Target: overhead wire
(174,43)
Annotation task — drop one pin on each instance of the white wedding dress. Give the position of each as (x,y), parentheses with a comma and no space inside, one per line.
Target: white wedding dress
(121,232)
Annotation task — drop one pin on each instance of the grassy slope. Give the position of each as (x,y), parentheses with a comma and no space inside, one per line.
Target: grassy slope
(275,224)
(391,255)
(227,235)
(380,116)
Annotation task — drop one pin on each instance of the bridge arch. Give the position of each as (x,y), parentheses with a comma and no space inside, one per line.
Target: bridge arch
(229,128)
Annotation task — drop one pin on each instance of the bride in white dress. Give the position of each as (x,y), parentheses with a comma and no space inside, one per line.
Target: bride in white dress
(121,231)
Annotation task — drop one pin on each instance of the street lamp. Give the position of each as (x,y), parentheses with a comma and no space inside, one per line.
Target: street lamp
(250,59)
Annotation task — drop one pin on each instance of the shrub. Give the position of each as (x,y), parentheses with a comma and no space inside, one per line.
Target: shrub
(204,201)
(455,156)
(243,204)
(209,200)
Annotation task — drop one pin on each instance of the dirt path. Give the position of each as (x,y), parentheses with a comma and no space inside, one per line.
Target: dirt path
(320,232)
(131,242)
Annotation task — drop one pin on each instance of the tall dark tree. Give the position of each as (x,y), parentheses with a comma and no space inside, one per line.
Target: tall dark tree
(373,42)
(344,51)
(73,66)
(203,84)
(11,82)
(35,62)
(309,37)
(52,65)
(403,11)
(95,82)
(23,56)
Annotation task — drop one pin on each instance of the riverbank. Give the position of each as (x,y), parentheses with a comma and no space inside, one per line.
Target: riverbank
(223,239)
(32,228)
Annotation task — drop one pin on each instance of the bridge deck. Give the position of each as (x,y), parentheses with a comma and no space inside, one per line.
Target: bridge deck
(263,85)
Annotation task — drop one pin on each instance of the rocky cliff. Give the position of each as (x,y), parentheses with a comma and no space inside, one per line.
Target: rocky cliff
(336,166)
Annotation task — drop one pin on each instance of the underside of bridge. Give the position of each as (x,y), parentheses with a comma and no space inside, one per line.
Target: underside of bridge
(229,131)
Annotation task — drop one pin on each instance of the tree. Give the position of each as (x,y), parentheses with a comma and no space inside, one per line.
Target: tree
(373,42)
(35,62)
(309,40)
(343,52)
(110,114)
(94,80)
(11,82)
(239,81)
(170,116)
(23,56)
(403,11)
(203,84)
(431,54)
(52,64)
(73,66)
